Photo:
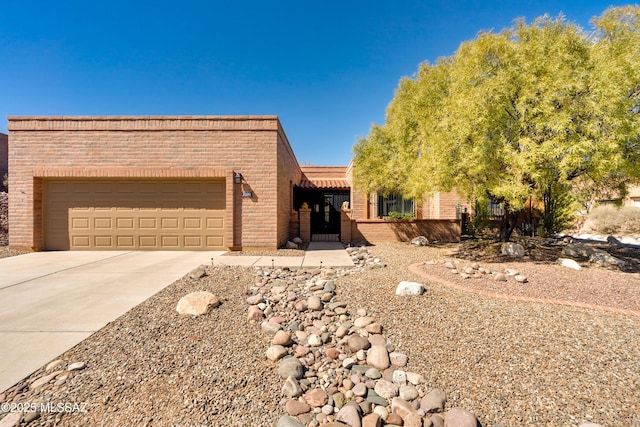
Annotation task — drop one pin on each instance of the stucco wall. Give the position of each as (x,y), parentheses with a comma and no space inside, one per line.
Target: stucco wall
(149,147)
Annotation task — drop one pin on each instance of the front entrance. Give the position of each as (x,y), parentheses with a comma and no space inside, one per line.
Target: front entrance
(325,208)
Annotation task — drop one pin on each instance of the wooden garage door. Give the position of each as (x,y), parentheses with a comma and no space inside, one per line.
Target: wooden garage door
(141,214)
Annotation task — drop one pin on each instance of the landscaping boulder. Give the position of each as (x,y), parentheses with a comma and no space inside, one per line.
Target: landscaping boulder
(197,303)
(290,245)
(297,240)
(569,263)
(511,249)
(615,242)
(604,259)
(420,241)
(577,251)
(458,417)
(408,289)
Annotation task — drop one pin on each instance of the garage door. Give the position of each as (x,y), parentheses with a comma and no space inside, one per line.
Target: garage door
(141,214)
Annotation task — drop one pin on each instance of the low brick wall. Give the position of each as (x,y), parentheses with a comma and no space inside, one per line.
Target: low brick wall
(4,219)
(441,230)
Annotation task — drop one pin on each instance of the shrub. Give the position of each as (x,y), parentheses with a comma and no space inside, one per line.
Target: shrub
(398,216)
(611,219)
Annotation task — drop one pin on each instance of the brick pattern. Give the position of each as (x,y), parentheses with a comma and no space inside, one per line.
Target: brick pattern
(4,156)
(151,147)
(415,269)
(305,224)
(288,174)
(403,231)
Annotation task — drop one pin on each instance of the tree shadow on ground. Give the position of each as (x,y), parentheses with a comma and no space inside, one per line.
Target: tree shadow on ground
(540,251)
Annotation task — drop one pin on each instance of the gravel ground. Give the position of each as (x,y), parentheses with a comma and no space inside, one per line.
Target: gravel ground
(5,252)
(510,363)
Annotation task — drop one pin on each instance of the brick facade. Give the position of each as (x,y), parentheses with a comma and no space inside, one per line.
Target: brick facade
(259,211)
(42,148)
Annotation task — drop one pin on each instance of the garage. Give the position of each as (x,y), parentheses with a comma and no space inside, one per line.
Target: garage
(123,214)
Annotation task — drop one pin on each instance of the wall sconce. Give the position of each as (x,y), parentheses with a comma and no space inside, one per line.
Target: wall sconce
(237,178)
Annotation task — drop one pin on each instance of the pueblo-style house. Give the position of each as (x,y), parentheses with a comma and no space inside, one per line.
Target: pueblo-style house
(192,183)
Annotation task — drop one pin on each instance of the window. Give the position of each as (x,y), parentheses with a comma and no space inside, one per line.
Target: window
(394,203)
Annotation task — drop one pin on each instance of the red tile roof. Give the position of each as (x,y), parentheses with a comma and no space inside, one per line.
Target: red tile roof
(324,184)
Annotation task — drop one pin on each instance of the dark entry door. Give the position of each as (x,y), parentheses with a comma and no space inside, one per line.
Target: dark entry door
(325,208)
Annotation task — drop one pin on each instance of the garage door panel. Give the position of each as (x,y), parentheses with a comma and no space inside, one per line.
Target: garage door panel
(148,242)
(191,223)
(214,241)
(103,242)
(80,223)
(192,242)
(125,223)
(121,214)
(81,242)
(102,223)
(125,242)
(146,223)
(170,242)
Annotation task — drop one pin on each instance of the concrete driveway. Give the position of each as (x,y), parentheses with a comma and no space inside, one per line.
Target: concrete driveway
(50,301)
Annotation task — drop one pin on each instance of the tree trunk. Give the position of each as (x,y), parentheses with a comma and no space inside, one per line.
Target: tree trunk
(507,225)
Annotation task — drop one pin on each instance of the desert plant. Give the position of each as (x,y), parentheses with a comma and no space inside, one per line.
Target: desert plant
(399,216)
(610,219)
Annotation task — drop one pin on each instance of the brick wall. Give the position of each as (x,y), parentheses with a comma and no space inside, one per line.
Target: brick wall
(443,205)
(4,156)
(288,174)
(374,231)
(167,147)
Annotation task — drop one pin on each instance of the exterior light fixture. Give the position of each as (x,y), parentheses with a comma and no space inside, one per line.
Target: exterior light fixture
(237,178)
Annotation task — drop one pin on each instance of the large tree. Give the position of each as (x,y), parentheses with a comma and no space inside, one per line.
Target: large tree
(519,113)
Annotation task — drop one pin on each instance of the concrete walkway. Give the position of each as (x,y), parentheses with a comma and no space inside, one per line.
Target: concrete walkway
(326,254)
(51,301)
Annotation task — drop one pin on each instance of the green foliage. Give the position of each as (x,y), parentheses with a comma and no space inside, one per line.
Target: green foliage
(559,210)
(399,216)
(610,219)
(513,112)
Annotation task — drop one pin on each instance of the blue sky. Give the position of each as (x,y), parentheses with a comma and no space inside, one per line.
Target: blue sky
(327,68)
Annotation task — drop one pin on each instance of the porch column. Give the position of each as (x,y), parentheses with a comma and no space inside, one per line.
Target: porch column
(305,224)
(345,225)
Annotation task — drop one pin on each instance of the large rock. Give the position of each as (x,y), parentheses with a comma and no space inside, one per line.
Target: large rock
(615,242)
(511,249)
(372,420)
(569,263)
(316,398)
(290,367)
(604,259)
(291,388)
(401,407)
(290,245)
(255,314)
(289,421)
(409,289)
(577,251)
(276,352)
(420,241)
(386,389)
(295,407)
(356,343)
(433,401)
(378,357)
(197,303)
(351,415)
(458,417)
